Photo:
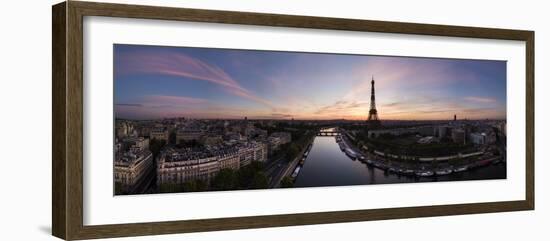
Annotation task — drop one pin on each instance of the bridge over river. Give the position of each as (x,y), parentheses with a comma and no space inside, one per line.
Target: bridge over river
(332,131)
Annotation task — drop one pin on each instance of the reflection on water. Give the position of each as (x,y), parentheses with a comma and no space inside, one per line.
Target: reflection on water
(326,165)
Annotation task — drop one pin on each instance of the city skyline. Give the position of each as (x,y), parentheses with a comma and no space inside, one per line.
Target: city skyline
(155,82)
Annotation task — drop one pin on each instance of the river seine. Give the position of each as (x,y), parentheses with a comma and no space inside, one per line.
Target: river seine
(327,165)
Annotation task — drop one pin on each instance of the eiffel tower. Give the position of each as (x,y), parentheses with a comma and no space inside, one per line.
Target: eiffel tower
(373,119)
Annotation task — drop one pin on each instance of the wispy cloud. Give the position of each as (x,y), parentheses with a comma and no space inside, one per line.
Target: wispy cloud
(173,100)
(154,106)
(343,107)
(181,65)
(480,99)
(132,105)
(281,115)
(158,101)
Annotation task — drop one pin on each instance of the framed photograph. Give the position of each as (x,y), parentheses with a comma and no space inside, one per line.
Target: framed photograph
(171,120)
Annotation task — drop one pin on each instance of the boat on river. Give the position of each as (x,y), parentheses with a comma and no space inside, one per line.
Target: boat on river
(408,172)
(424,173)
(296,171)
(381,165)
(342,146)
(351,153)
(443,171)
(460,168)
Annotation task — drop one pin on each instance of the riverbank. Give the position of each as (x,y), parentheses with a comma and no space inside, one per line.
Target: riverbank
(298,161)
(423,168)
(327,165)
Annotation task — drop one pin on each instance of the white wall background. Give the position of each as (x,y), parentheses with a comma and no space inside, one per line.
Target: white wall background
(25,121)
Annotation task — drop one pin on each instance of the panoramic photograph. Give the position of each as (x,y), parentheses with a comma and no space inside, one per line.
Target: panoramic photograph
(189,119)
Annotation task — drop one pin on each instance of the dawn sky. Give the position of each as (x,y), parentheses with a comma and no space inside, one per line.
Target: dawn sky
(154,82)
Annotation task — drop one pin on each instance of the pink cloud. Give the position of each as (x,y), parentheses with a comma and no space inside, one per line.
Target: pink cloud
(161,100)
(480,99)
(161,103)
(181,65)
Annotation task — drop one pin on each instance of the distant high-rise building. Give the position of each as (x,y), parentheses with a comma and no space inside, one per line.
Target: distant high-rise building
(455,117)
(373,119)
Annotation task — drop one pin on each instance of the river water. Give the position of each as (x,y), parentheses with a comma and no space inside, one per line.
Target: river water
(327,165)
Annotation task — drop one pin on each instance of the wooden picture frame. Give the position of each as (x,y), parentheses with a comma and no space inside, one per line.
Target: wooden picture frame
(67,124)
